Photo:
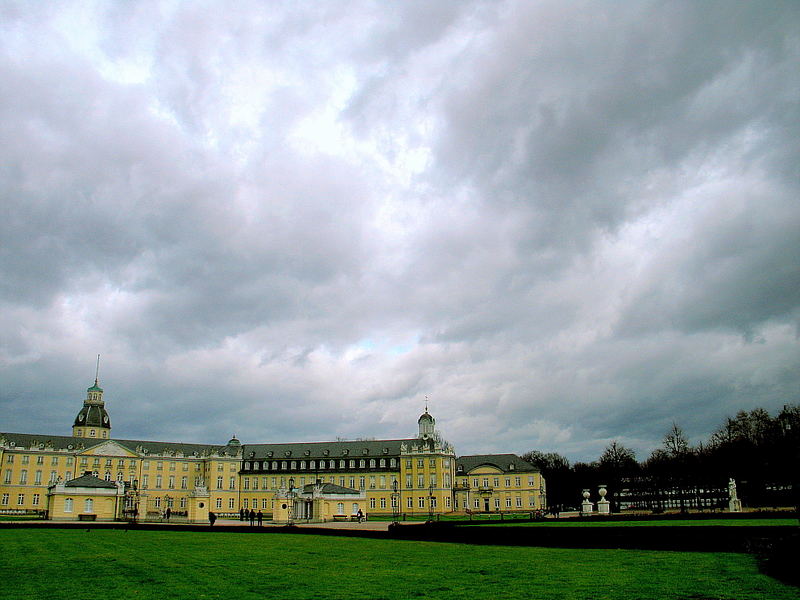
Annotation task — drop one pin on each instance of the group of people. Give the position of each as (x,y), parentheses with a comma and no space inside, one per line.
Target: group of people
(244,515)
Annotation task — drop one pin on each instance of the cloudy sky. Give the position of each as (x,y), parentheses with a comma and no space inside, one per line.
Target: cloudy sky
(563,223)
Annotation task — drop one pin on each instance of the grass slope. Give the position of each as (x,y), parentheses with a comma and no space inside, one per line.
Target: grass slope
(100,564)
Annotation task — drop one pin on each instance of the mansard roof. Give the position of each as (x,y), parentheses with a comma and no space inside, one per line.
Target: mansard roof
(331,488)
(338,449)
(69,443)
(508,463)
(90,481)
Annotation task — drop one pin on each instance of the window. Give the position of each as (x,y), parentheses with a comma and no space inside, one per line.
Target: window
(231,504)
(408,463)
(355,508)
(496,482)
(219,482)
(519,501)
(294,465)
(408,481)
(219,503)
(361,482)
(508,481)
(486,482)
(352,483)
(220,467)
(7,476)
(383,463)
(340,508)
(352,463)
(157,502)
(433,479)
(393,463)
(53,476)
(159,481)
(184,482)
(497,503)
(409,502)
(383,502)
(362,463)
(341,481)
(420,463)
(433,502)
(433,463)
(447,501)
(508,502)
(244,503)
(246,483)
(372,502)
(477,503)
(394,501)
(341,464)
(185,466)
(475,482)
(372,482)
(447,480)
(383,482)
(145,479)
(247,466)
(530,481)
(120,476)
(421,501)
(420,480)
(371,463)
(54,462)
(518,481)
(40,460)
(183,502)
(232,483)
(88,505)
(4,501)
(10,458)
(68,505)
(23,477)
(264,503)
(160,466)
(25,459)
(172,482)
(531,502)
(171,466)
(145,464)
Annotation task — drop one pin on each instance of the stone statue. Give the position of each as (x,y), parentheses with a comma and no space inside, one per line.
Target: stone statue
(734,504)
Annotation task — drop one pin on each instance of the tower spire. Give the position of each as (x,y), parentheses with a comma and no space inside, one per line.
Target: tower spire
(97,371)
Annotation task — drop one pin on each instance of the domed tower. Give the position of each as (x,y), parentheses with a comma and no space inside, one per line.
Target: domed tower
(426,425)
(92,420)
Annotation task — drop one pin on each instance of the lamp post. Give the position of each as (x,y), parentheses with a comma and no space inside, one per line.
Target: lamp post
(290,498)
(395,502)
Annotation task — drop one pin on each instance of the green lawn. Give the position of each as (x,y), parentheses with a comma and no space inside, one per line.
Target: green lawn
(99,564)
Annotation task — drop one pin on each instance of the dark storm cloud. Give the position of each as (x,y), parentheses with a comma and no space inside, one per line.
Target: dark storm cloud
(564,223)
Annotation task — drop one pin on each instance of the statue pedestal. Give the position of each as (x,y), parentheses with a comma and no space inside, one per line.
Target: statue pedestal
(587,508)
(604,507)
(735,505)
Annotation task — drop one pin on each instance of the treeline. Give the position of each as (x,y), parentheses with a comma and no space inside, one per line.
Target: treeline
(759,451)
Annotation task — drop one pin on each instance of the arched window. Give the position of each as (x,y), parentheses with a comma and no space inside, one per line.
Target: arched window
(313,464)
(371,463)
(352,464)
(68,505)
(294,465)
(392,462)
(341,464)
(340,508)
(362,463)
(88,505)
(383,462)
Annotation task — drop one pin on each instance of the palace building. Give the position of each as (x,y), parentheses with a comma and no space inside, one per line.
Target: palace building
(92,476)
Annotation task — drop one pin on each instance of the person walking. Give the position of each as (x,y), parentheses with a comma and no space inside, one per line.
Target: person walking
(211,518)
(260,517)
(252,518)
(241,514)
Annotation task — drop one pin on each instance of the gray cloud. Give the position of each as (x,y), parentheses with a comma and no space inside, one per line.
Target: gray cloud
(563,224)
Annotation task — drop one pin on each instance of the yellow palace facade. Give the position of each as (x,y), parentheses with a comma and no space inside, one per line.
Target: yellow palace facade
(89,475)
